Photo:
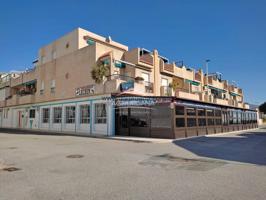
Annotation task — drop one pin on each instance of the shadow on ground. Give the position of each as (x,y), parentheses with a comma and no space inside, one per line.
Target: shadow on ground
(249,147)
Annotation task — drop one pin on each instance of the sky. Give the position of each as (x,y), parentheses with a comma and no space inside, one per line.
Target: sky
(232,34)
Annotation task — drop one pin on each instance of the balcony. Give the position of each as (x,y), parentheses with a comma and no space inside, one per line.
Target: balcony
(166,91)
(167,68)
(184,72)
(26,99)
(121,83)
(186,95)
(141,58)
(221,101)
(146,58)
(232,102)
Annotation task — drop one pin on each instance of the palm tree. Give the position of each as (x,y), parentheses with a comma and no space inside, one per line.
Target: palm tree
(99,72)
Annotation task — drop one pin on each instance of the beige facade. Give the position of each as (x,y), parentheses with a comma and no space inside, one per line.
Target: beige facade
(65,65)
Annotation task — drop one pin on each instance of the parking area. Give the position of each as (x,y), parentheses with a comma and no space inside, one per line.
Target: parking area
(225,166)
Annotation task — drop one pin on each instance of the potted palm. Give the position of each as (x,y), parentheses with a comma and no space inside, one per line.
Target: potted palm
(99,72)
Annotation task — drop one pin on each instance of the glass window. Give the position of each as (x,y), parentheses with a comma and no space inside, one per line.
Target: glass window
(100,113)
(191,122)
(84,114)
(191,111)
(179,110)
(32,113)
(225,118)
(218,113)
(202,122)
(201,112)
(45,115)
(180,122)
(210,113)
(218,122)
(123,115)
(140,117)
(234,117)
(70,114)
(57,115)
(210,122)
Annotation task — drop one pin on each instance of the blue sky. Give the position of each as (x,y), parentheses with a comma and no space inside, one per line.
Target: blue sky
(232,34)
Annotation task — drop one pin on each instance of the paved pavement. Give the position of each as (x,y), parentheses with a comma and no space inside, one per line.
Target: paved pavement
(228,166)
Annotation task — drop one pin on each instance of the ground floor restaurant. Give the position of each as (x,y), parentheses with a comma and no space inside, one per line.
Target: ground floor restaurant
(174,118)
(156,117)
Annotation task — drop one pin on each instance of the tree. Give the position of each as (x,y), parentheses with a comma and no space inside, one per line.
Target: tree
(262,108)
(99,72)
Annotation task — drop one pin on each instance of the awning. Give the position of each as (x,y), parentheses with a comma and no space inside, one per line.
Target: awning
(215,88)
(234,94)
(192,82)
(30,82)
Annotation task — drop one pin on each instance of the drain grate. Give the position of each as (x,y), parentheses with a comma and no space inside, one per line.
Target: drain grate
(75,156)
(11,169)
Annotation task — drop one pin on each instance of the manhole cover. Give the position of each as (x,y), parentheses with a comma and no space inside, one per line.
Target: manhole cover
(12,147)
(11,169)
(75,156)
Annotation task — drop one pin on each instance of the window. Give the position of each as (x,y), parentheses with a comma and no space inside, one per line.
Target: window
(6,113)
(191,122)
(234,117)
(43,59)
(201,112)
(202,122)
(145,76)
(180,122)
(45,115)
(52,86)
(218,122)
(191,111)
(42,88)
(70,114)
(32,113)
(179,110)
(164,82)
(218,113)
(57,115)
(54,54)
(100,113)
(210,113)
(84,114)
(140,117)
(210,122)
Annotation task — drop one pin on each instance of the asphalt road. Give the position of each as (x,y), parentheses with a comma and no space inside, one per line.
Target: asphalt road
(229,166)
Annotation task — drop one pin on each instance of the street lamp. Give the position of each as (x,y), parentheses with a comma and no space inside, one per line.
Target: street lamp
(207,74)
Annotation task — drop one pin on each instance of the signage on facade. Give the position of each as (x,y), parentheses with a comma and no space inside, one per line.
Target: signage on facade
(178,83)
(86,90)
(127,85)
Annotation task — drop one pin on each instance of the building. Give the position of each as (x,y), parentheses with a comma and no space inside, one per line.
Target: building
(143,93)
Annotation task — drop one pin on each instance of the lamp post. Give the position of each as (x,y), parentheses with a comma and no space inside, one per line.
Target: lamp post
(207,74)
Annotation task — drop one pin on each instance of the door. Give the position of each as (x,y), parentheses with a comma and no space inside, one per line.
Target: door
(134,121)
(122,122)
(20,119)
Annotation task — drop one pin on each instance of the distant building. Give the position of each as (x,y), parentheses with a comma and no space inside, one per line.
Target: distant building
(144,93)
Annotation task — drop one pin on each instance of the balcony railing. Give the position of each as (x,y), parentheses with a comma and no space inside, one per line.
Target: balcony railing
(147,87)
(147,59)
(166,91)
